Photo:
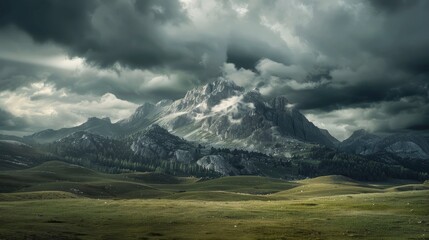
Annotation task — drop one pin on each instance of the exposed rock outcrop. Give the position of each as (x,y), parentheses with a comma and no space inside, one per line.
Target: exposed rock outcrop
(218,164)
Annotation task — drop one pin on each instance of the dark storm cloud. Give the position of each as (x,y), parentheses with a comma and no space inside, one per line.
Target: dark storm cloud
(406,38)
(115,31)
(393,5)
(371,55)
(248,44)
(107,32)
(420,127)
(325,56)
(10,122)
(373,89)
(140,34)
(15,74)
(140,86)
(409,113)
(247,55)
(399,39)
(62,21)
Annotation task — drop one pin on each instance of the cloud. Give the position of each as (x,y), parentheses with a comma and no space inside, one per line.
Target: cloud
(9,122)
(328,57)
(132,33)
(410,113)
(23,62)
(40,106)
(127,84)
(393,5)
(146,34)
(268,67)
(259,42)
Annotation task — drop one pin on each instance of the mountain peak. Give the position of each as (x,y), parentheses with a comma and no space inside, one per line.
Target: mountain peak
(225,82)
(95,120)
(362,134)
(222,86)
(210,94)
(106,119)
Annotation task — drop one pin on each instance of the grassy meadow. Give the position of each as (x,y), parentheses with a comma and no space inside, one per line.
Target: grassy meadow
(61,201)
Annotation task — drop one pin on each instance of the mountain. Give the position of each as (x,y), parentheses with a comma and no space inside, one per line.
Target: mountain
(143,117)
(154,148)
(157,143)
(94,125)
(17,155)
(360,142)
(404,145)
(83,141)
(10,137)
(222,114)
(329,136)
(219,114)
(221,129)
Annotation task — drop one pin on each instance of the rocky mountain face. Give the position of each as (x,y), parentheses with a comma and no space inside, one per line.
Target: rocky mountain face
(143,117)
(401,145)
(83,140)
(156,144)
(83,144)
(405,146)
(330,137)
(360,142)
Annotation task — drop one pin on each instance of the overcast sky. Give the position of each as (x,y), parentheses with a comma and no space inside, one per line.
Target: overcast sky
(345,64)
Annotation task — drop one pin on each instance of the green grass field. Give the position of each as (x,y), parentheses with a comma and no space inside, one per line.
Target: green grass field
(61,201)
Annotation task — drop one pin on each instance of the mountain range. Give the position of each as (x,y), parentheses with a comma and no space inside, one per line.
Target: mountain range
(218,114)
(404,145)
(220,128)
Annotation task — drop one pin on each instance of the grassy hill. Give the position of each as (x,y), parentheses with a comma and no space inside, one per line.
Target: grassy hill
(65,177)
(57,200)
(60,176)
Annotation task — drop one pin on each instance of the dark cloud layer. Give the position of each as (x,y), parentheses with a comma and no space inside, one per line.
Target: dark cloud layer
(9,122)
(384,50)
(393,5)
(104,33)
(135,34)
(15,74)
(328,57)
